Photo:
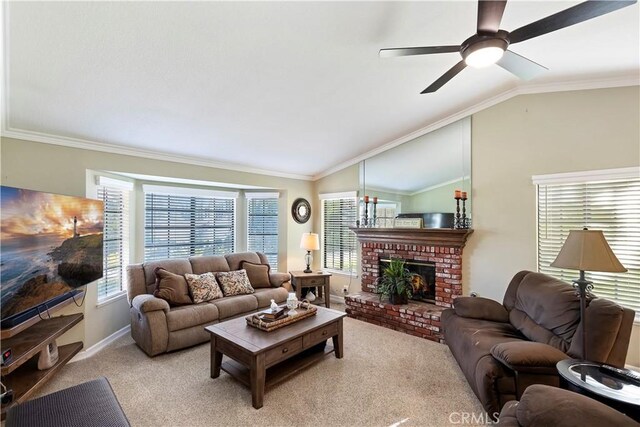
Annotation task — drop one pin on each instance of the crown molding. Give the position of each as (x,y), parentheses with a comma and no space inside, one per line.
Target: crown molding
(139,152)
(523,89)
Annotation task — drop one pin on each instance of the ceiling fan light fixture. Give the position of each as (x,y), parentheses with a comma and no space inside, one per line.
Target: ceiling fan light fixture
(484,57)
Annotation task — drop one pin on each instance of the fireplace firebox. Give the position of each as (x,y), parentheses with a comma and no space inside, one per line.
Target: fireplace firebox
(424,283)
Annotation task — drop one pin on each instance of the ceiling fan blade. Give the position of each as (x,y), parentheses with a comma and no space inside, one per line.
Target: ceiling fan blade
(520,66)
(574,15)
(408,51)
(489,15)
(445,77)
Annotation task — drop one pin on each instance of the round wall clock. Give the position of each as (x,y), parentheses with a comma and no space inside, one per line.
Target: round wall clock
(301,210)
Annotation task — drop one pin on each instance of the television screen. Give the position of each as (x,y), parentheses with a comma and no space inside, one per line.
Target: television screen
(49,246)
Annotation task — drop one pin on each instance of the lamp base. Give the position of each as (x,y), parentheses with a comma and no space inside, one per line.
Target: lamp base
(308,259)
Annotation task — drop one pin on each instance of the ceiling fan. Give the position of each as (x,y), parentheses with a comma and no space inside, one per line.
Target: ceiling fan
(489,45)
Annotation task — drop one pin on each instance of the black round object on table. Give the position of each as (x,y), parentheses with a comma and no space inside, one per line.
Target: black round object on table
(615,387)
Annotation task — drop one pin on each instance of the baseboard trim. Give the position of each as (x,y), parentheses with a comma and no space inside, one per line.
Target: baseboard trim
(337,299)
(100,345)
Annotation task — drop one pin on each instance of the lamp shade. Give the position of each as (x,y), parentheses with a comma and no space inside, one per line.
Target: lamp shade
(310,242)
(587,250)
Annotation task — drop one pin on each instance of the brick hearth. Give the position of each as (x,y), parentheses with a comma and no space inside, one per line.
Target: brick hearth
(443,247)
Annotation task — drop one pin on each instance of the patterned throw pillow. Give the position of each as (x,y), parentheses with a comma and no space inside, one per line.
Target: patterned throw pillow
(234,283)
(203,287)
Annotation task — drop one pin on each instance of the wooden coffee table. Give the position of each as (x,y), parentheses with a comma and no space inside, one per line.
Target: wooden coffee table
(262,359)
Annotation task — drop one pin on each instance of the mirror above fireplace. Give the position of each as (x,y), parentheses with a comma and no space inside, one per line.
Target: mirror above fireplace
(418,178)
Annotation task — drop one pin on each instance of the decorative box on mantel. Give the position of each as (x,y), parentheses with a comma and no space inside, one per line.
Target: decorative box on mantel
(440,247)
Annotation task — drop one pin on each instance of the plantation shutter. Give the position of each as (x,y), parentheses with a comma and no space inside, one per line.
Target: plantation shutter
(187,224)
(612,206)
(115,239)
(338,241)
(262,225)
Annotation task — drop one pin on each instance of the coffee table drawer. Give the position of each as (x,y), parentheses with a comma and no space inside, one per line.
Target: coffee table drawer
(283,351)
(321,334)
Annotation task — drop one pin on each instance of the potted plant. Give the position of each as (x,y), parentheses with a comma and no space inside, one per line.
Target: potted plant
(396,282)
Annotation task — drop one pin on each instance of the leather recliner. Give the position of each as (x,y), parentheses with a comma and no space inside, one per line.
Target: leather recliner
(504,348)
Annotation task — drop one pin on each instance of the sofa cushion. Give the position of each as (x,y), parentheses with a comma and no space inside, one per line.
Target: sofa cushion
(258,274)
(176,266)
(528,356)
(187,316)
(235,260)
(233,306)
(234,283)
(546,310)
(172,288)
(203,287)
(265,295)
(207,264)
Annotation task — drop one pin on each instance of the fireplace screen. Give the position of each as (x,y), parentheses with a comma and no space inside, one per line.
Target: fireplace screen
(424,284)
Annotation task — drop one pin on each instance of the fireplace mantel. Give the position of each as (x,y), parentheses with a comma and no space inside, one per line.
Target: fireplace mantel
(453,238)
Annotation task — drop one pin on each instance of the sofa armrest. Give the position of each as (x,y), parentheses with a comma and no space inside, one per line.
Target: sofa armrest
(528,356)
(542,405)
(278,279)
(147,303)
(480,308)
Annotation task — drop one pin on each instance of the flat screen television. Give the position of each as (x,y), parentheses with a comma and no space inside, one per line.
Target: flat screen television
(50,246)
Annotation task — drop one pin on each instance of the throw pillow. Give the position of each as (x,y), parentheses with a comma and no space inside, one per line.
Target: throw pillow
(203,287)
(171,287)
(234,283)
(258,274)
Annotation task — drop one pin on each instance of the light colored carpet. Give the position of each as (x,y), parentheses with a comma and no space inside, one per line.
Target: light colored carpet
(384,378)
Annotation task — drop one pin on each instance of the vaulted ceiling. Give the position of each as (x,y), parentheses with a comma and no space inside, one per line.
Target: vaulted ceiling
(290,87)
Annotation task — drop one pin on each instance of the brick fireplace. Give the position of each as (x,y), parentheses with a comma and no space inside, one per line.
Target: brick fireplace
(441,248)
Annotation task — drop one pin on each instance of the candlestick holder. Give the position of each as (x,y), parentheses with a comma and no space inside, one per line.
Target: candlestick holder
(457,223)
(465,222)
(374,214)
(366,214)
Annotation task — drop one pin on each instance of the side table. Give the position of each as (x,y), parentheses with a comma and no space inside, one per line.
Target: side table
(320,280)
(618,388)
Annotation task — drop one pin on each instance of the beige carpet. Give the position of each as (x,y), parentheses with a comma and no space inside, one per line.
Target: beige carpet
(385,377)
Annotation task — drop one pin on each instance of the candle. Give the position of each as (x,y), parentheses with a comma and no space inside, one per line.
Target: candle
(457,194)
(375,200)
(366,199)
(464,195)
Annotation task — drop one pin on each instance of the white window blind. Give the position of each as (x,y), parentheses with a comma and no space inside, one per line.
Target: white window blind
(262,227)
(184,225)
(612,206)
(338,241)
(115,238)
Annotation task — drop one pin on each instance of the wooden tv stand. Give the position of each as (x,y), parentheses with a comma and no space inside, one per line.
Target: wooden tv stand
(26,341)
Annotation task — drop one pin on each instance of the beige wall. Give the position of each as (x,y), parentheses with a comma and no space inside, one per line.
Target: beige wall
(63,170)
(533,135)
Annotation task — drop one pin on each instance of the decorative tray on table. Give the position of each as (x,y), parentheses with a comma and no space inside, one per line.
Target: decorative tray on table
(262,320)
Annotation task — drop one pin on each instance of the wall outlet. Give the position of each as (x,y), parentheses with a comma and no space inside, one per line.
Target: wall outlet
(345,290)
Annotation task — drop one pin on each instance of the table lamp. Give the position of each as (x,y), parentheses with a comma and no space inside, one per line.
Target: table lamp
(586,250)
(309,242)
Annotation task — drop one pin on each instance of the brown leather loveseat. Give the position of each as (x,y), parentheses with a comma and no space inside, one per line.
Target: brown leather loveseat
(503,348)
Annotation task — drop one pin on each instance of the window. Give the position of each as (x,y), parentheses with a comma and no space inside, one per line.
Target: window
(338,241)
(601,200)
(185,222)
(262,225)
(115,195)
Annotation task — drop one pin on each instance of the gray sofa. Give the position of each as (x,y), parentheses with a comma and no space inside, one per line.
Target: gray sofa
(158,328)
